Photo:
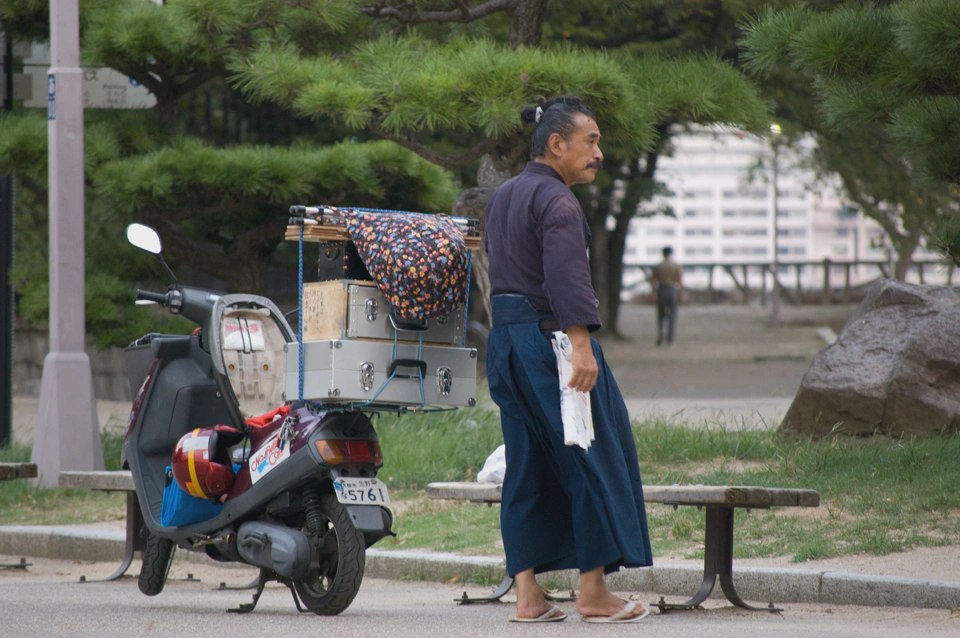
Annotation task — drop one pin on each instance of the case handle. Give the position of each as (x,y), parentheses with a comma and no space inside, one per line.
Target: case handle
(407,363)
(408,326)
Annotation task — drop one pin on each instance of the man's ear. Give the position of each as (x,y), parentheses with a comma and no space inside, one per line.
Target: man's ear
(554,143)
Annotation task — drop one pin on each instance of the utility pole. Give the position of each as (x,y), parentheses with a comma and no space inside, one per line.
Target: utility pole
(775,132)
(6,264)
(67,436)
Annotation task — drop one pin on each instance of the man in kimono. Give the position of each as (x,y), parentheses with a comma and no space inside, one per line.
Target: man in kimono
(563,507)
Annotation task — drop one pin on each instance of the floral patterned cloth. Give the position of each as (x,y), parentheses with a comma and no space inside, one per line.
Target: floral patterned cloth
(418,261)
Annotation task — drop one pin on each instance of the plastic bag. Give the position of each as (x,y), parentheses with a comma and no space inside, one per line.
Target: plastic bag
(495,467)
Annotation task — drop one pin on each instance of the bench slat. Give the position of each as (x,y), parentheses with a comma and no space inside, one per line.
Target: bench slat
(735,495)
(115,481)
(11,471)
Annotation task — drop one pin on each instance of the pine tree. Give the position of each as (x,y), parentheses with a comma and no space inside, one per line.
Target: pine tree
(888,76)
(222,211)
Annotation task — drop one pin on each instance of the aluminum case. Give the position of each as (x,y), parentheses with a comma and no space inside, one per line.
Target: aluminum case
(369,317)
(344,371)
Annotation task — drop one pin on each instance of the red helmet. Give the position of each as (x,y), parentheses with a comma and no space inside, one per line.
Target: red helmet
(201,465)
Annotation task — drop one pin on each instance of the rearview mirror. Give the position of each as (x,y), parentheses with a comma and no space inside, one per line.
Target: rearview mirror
(144,238)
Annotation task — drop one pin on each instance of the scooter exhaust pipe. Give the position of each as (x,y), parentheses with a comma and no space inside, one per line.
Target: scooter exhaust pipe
(283,549)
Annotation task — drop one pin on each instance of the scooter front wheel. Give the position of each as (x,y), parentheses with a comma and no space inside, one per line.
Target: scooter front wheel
(156,564)
(338,559)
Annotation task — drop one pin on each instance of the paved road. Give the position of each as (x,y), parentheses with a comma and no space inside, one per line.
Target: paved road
(48,602)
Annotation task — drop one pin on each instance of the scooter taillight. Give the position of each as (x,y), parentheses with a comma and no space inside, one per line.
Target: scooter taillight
(337,451)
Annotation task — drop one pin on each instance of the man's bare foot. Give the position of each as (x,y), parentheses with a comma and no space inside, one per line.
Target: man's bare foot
(605,604)
(533,610)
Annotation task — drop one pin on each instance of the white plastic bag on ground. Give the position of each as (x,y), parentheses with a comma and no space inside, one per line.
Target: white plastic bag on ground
(495,467)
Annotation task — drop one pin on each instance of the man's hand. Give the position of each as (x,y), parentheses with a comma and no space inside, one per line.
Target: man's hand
(585,369)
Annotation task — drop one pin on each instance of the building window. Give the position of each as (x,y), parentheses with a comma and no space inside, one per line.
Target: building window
(698,212)
(654,250)
(745,193)
(744,212)
(745,232)
(661,232)
(799,251)
(745,250)
(795,213)
(842,232)
(698,231)
(791,232)
(698,193)
(698,251)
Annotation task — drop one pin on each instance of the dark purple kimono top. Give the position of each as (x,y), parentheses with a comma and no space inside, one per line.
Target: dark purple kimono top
(537,238)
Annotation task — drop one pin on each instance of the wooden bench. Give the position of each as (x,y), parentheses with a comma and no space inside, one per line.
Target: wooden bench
(720,503)
(115,481)
(10,472)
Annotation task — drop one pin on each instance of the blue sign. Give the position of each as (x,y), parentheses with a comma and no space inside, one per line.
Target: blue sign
(51,108)
(51,85)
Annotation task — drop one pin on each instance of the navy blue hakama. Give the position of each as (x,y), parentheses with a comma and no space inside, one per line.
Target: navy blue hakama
(563,507)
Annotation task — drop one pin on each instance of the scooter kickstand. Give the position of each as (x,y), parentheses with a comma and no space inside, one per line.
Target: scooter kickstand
(246,608)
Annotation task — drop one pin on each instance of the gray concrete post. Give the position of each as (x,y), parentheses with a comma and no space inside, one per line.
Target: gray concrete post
(67,435)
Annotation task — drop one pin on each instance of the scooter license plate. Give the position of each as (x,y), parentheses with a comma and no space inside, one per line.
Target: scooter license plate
(361,491)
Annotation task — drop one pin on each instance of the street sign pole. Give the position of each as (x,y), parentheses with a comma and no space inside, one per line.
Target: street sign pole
(67,436)
(6,264)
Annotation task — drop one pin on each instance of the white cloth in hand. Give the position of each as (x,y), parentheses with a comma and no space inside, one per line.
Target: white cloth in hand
(574,405)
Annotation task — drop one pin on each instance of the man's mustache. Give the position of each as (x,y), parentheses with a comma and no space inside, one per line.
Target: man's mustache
(595,164)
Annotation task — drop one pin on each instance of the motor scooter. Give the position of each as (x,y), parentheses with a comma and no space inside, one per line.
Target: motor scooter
(298,495)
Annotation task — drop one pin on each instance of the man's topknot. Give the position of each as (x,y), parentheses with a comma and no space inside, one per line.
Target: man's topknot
(556,117)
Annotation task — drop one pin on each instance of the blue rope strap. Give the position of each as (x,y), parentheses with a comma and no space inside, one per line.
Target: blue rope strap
(300,314)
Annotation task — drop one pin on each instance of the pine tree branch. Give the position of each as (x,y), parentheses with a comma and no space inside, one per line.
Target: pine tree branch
(407,16)
(446,161)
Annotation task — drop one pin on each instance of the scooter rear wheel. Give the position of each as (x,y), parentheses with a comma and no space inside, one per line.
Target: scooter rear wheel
(338,559)
(156,564)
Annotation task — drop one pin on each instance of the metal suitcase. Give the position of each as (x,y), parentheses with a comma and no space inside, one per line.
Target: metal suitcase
(342,371)
(369,316)
(344,309)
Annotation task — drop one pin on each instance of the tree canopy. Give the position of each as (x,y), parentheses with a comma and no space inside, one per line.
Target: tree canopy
(897,65)
(888,76)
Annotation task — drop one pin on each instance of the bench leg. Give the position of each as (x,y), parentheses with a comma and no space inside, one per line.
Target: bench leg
(134,541)
(717,562)
(505,585)
(495,597)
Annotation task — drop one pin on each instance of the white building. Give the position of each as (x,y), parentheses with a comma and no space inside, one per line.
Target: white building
(722,204)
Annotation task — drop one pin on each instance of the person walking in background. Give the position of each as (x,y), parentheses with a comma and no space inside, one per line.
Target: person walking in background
(667,281)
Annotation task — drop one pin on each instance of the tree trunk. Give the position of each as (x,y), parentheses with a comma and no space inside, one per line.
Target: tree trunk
(526,22)
(905,249)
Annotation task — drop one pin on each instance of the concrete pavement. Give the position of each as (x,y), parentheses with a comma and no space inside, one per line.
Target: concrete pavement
(47,602)
(836,584)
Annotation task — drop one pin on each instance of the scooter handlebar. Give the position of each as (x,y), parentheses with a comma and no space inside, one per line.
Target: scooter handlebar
(161,298)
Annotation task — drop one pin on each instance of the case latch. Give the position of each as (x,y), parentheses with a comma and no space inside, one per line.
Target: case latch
(444,381)
(366,375)
(372,307)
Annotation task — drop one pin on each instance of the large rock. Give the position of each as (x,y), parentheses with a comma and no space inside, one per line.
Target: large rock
(894,369)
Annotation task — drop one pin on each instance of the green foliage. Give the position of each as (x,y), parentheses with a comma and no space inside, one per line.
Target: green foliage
(898,65)
(403,85)
(235,198)
(212,180)
(946,239)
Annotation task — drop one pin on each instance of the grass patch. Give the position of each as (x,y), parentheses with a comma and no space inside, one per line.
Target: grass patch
(23,503)
(877,495)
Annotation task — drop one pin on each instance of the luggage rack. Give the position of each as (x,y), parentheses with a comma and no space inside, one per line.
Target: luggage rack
(325,223)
